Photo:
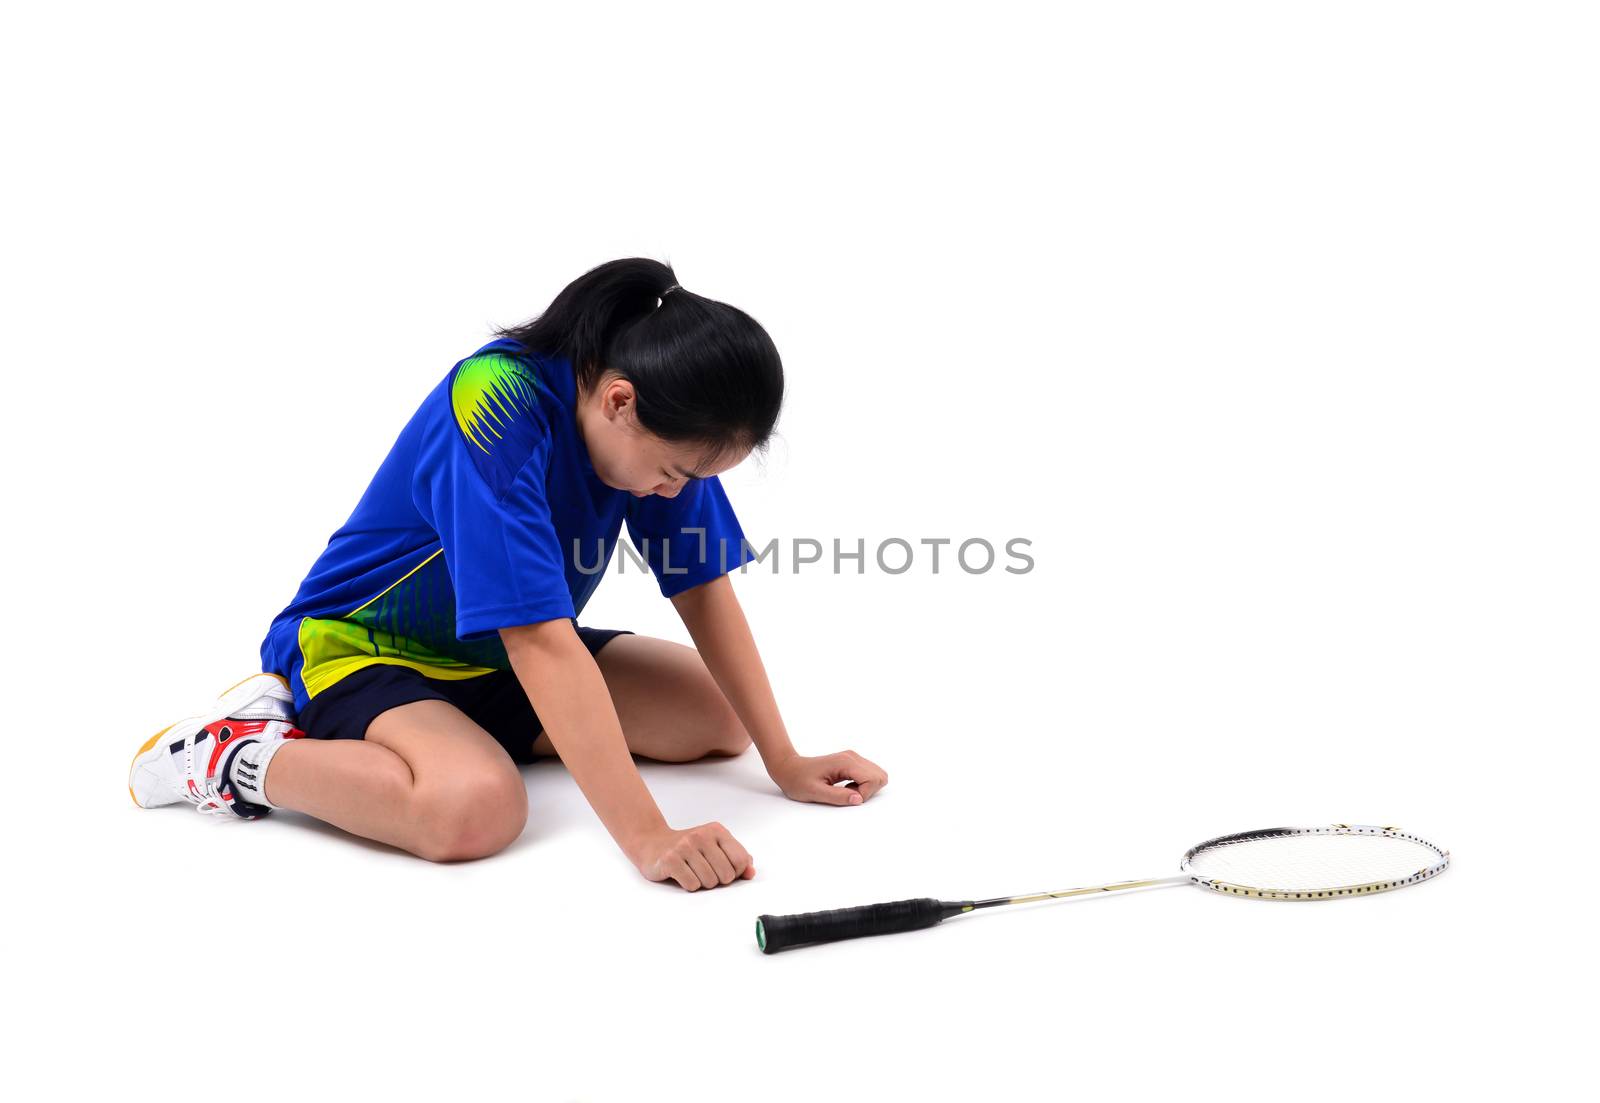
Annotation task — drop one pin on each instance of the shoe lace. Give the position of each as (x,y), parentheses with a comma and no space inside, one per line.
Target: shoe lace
(207,793)
(215,805)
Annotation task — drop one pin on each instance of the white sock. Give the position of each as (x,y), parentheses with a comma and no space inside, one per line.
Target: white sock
(248,771)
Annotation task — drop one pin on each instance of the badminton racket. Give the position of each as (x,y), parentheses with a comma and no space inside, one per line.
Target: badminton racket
(1274,863)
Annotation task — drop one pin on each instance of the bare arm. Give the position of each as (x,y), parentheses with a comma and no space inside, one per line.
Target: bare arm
(715,621)
(569,693)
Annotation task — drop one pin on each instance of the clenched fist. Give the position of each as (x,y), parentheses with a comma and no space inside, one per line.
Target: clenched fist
(697,858)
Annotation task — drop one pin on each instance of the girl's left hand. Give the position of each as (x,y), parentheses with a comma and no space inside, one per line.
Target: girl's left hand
(814,779)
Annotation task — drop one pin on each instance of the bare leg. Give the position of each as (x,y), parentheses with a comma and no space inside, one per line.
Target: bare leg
(349,783)
(670,707)
(426,779)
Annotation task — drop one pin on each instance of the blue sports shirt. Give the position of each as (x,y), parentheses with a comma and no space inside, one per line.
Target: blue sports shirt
(486,514)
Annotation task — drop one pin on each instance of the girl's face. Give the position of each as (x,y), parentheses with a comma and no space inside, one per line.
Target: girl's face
(628,457)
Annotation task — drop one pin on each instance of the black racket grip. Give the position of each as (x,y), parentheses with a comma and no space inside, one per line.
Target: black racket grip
(779,932)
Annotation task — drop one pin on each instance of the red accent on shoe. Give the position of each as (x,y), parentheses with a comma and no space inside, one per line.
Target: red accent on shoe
(241,729)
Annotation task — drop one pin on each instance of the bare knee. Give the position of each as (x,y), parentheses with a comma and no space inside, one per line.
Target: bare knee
(470,817)
(727,736)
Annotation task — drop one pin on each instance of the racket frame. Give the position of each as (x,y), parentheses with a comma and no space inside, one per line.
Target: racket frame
(1230,889)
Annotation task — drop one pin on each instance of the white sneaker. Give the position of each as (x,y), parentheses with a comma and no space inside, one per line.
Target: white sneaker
(189,760)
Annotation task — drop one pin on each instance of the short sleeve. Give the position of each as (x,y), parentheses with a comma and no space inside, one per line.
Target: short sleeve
(689,539)
(480,482)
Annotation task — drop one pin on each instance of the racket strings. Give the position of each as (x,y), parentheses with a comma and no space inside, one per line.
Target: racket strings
(1297,863)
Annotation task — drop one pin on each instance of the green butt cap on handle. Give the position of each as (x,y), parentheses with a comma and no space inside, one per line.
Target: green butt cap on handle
(779,932)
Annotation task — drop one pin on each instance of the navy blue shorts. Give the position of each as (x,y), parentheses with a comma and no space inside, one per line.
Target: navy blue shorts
(495,701)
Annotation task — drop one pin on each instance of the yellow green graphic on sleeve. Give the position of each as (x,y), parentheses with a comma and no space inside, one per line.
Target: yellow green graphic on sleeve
(489,395)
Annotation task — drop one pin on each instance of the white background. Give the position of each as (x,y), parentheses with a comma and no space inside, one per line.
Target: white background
(1271,325)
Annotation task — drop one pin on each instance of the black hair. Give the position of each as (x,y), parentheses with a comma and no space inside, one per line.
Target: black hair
(703,372)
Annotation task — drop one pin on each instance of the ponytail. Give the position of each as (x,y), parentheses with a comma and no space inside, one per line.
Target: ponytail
(703,372)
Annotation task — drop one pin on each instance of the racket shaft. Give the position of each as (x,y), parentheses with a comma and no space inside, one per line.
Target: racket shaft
(1062,894)
(777,932)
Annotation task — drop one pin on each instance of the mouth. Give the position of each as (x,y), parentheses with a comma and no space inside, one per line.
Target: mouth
(629,489)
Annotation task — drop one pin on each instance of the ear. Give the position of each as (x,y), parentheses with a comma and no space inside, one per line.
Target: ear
(617,398)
